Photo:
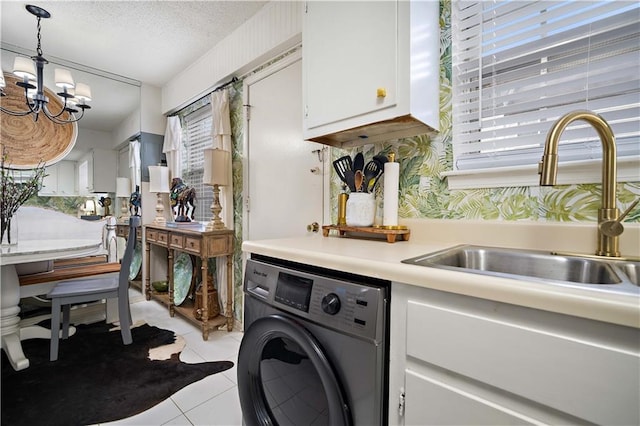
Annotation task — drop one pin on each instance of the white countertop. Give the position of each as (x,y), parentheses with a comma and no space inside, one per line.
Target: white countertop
(380,259)
(38,250)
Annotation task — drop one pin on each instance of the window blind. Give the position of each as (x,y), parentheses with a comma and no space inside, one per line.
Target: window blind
(197,138)
(519,66)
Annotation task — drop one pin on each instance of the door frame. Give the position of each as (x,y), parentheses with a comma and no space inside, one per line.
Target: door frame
(258,76)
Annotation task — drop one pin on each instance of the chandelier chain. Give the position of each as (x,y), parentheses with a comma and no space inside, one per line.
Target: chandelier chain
(39,48)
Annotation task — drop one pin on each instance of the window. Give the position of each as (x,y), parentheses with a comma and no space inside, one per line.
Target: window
(519,66)
(197,138)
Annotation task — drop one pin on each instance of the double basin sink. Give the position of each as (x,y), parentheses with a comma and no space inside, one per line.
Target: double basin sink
(607,274)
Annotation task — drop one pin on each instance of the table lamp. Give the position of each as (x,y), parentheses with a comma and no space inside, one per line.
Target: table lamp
(159,183)
(123,190)
(216,174)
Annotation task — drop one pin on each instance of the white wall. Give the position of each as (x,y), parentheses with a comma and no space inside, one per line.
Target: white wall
(275,28)
(126,130)
(89,138)
(151,119)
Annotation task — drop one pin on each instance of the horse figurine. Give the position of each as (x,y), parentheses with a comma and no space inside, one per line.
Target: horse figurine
(183,200)
(135,202)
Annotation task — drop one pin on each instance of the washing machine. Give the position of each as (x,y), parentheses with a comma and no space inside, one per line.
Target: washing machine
(315,348)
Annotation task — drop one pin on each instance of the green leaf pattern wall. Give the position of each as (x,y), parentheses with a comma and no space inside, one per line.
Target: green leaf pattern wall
(423,194)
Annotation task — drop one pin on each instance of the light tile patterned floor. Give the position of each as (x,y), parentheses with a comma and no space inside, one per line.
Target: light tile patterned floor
(211,401)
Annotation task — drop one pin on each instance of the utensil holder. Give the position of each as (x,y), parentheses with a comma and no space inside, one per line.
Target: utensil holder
(361,209)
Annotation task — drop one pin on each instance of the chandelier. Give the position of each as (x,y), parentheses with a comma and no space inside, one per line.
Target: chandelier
(75,96)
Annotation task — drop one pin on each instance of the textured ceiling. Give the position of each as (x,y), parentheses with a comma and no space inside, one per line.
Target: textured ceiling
(149,41)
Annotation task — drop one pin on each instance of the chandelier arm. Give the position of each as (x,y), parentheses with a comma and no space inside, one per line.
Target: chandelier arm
(57,120)
(16,113)
(52,115)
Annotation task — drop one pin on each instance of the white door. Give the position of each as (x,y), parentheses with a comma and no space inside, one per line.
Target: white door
(284,174)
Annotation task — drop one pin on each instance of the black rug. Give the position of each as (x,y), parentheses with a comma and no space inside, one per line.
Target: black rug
(96,378)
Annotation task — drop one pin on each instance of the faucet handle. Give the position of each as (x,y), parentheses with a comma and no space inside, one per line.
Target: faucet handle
(613,228)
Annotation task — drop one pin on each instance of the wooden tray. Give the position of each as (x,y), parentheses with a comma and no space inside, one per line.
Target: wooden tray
(391,234)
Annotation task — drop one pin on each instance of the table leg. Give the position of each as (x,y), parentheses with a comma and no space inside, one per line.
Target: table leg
(204,274)
(230,288)
(147,275)
(9,319)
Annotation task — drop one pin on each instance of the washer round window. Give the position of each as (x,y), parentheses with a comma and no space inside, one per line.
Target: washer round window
(284,378)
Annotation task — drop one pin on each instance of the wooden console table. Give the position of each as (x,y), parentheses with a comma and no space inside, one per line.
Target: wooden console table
(204,244)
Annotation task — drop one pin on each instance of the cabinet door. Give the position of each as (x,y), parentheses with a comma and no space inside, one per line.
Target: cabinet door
(50,181)
(67,178)
(350,51)
(431,402)
(85,178)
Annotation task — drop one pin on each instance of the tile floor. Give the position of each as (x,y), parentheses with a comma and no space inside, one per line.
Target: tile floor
(211,401)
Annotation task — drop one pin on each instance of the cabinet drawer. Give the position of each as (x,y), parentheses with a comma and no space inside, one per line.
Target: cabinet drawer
(218,246)
(122,232)
(177,241)
(163,237)
(571,375)
(157,236)
(192,244)
(152,235)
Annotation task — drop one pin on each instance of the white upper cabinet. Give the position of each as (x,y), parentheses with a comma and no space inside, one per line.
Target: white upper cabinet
(97,172)
(60,180)
(370,71)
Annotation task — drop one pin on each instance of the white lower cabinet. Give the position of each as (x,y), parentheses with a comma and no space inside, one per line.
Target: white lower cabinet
(461,360)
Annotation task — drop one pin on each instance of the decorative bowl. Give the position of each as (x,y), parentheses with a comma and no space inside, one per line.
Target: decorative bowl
(160,286)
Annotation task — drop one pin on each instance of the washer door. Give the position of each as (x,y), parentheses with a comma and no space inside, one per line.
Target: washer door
(284,377)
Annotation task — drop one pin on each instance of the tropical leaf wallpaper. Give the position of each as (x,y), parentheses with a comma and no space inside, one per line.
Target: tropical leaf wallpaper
(423,194)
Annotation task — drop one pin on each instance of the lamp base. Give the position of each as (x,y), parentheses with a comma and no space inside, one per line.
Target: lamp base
(216,223)
(159,219)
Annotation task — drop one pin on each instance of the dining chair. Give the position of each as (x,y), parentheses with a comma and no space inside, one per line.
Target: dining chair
(93,289)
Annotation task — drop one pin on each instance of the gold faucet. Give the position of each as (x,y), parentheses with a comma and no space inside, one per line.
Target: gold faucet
(609,228)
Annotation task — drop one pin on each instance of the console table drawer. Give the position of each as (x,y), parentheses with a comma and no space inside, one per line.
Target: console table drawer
(177,241)
(218,246)
(157,236)
(192,244)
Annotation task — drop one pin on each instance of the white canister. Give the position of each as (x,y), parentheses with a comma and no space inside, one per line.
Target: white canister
(361,209)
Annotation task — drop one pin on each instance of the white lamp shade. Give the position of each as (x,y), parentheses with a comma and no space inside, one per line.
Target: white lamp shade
(123,187)
(83,92)
(216,167)
(24,67)
(159,179)
(64,79)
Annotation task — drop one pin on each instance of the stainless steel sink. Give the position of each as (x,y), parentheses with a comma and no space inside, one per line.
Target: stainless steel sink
(614,275)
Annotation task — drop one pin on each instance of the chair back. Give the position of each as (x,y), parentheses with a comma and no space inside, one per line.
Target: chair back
(125,263)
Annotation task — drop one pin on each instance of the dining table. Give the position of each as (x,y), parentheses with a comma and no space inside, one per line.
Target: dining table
(22,253)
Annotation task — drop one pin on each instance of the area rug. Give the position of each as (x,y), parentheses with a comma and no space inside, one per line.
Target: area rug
(96,379)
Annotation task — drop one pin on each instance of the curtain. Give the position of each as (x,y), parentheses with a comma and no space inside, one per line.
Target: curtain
(134,163)
(172,146)
(221,138)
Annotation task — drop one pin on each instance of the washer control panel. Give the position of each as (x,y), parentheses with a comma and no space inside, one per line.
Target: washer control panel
(354,308)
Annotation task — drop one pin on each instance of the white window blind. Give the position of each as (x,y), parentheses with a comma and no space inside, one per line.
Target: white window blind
(518,66)
(197,138)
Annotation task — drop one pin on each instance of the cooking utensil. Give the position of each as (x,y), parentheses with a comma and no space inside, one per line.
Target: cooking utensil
(358,178)
(371,171)
(380,159)
(349,179)
(358,162)
(341,165)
